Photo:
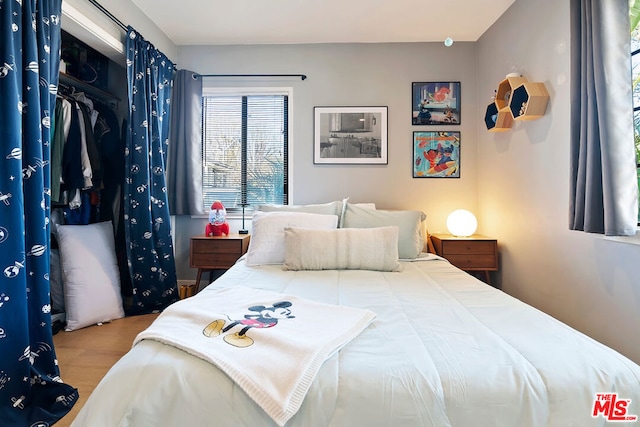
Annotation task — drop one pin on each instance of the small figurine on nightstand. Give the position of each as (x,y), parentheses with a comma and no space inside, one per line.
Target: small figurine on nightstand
(218,225)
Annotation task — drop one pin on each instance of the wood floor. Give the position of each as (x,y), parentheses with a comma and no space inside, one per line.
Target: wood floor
(85,355)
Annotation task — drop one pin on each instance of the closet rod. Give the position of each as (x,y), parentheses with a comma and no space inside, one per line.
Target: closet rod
(109,14)
(73,84)
(302,76)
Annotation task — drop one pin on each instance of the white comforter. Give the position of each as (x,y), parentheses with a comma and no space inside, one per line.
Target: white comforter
(444,350)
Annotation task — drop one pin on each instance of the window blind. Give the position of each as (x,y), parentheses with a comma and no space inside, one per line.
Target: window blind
(245,141)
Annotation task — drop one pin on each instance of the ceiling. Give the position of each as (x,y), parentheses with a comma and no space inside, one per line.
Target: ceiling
(217,22)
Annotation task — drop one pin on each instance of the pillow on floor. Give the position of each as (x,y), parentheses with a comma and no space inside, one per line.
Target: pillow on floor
(90,274)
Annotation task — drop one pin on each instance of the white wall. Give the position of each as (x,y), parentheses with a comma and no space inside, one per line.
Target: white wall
(591,283)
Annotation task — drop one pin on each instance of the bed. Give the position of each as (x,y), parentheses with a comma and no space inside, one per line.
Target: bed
(441,348)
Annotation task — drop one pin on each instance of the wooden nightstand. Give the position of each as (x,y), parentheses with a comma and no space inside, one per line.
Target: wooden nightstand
(216,253)
(471,254)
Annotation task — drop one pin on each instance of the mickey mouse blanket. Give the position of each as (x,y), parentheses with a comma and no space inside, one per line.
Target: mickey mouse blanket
(272,345)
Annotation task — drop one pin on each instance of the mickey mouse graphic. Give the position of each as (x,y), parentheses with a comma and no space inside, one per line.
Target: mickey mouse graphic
(265,317)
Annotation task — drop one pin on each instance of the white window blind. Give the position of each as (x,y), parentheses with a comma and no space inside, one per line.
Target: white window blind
(244,153)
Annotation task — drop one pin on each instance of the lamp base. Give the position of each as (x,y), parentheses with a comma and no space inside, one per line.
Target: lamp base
(243,231)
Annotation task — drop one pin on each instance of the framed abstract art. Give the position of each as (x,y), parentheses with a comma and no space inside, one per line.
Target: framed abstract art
(436,154)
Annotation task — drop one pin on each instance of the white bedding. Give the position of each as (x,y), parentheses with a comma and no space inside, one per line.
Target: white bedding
(444,350)
(244,330)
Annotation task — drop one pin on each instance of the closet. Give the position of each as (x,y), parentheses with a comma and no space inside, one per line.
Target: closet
(87,152)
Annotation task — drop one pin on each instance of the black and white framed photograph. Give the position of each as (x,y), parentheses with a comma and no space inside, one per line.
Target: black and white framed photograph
(350,135)
(435,103)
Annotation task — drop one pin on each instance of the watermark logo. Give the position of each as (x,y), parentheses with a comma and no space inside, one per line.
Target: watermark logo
(612,408)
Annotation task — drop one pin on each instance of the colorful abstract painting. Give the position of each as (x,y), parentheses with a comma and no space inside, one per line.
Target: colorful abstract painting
(436,154)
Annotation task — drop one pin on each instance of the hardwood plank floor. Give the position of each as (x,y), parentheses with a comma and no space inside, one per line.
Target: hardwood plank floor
(85,355)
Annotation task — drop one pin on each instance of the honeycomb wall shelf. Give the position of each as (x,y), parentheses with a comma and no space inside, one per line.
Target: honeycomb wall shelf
(497,120)
(529,101)
(516,99)
(505,89)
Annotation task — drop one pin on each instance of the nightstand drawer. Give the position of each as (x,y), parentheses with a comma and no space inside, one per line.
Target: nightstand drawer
(211,253)
(214,253)
(468,247)
(216,246)
(467,262)
(474,253)
(214,260)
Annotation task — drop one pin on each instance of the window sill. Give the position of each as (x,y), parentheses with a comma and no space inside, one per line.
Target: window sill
(631,240)
(232,215)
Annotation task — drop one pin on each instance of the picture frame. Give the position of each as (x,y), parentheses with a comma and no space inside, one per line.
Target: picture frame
(350,135)
(435,103)
(436,154)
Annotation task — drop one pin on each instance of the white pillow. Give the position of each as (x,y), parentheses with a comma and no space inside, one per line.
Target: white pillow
(410,238)
(267,237)
(90,274)
(341,249)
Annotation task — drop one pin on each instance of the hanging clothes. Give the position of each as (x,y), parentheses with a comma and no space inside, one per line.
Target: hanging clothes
(72,174)
(87,171)
(76,160)
(111,146)
(148,231)
(93,152)
(31,391)
(61,126)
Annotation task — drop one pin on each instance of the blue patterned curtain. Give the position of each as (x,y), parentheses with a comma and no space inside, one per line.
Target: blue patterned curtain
(31,392)
(147,223)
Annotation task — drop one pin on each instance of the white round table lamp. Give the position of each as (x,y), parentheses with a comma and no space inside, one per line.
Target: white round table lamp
(462,223)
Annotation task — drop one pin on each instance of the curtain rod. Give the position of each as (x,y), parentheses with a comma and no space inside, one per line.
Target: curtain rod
(109,14)
(302,76)
(124,27)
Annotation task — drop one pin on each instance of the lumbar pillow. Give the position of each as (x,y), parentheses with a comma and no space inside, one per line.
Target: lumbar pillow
(90,274)
(341,249)
(331,208)
(410,237)
(267,236)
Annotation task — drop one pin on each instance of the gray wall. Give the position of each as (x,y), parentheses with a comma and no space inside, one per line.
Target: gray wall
(355,75)
(588,281)
(361,75)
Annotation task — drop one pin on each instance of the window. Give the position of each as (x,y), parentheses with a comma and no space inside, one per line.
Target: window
(245,147)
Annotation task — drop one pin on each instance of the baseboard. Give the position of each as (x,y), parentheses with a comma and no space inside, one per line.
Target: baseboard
(186,282)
